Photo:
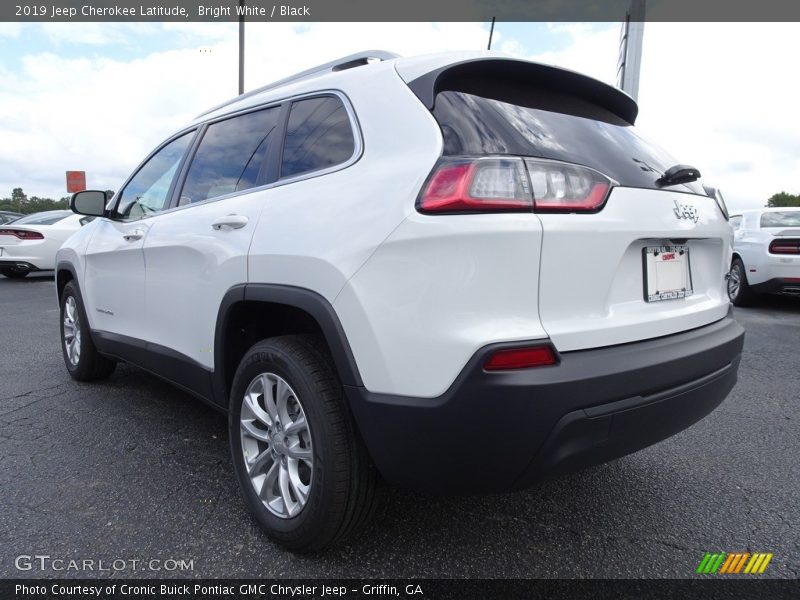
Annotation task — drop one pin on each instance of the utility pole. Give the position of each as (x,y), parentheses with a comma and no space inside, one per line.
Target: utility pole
(630,49)
(241,47)
(491,33)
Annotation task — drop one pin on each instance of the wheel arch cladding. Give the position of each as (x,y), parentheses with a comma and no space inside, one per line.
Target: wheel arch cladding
(252,312)
(64,274)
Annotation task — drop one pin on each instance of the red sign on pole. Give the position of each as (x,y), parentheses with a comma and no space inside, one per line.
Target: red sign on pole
(76,181)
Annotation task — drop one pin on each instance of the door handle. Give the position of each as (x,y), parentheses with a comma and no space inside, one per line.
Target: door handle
(229,222)
(134,235)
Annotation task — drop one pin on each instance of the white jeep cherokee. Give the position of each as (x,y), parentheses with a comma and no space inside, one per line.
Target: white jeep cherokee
(464,272)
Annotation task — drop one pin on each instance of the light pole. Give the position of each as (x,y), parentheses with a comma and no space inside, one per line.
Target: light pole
(241,47)
(630,49)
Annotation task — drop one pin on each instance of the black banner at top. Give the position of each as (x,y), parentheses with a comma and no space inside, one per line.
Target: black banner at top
(394,10)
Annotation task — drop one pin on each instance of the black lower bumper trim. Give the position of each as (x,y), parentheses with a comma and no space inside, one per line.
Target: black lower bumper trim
(596,435)
(778,285)
(17,265)
(503,430)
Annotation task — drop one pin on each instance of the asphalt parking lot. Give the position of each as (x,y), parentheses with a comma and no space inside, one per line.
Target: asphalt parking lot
(133,469)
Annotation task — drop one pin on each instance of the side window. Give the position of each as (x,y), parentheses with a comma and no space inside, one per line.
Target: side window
(147,192)
(231,156)
(736,222)
(319,135)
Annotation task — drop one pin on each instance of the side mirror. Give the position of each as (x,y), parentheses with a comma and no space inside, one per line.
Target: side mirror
(91,203)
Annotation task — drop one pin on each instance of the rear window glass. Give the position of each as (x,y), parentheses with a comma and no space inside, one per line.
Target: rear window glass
(781,219)
(475,125)
(45,219)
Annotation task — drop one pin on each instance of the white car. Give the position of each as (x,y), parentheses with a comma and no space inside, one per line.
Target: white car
(766,254)
(30,243)
(463,272)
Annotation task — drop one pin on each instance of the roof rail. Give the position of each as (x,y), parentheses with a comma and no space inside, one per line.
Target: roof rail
(346,62)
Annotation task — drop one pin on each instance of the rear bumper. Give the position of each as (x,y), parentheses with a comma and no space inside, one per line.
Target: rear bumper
(779,285)
(17,265)
(504,430)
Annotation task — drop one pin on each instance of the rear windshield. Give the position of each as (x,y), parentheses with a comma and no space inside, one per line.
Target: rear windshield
(781,219)
(475,125)
(42,219)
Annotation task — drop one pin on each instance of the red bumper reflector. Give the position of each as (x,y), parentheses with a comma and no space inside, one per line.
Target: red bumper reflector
(521,358)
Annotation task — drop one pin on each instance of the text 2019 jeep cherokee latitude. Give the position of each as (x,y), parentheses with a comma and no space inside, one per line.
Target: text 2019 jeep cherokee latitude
(464,272)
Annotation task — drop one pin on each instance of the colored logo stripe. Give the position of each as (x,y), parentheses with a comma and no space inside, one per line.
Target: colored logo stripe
(723,562)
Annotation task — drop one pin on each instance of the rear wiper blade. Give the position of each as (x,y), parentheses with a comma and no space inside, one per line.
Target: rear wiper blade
(677,175)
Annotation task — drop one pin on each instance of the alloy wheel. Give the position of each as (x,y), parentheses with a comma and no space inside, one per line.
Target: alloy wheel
(72,331)
(734,282)
(276,444)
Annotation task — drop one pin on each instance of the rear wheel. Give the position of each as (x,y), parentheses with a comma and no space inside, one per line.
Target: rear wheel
(81,358)
(14,273)
(302,468)
(739,290)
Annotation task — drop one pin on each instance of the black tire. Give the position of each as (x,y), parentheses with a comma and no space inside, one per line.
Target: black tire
(344,490)
(14,273)
(91,365)
(744,295)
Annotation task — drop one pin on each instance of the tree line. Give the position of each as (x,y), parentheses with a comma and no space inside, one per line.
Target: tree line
(20,202)
(783,199)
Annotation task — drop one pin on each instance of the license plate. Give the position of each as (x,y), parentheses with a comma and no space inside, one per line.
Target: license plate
(667,273)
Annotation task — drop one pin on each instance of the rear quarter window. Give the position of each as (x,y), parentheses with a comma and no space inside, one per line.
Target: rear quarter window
(319,135)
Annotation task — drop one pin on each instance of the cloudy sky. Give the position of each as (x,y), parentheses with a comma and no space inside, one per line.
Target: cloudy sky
(98,97)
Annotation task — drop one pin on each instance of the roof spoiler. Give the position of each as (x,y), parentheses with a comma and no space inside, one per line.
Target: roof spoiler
(484,76)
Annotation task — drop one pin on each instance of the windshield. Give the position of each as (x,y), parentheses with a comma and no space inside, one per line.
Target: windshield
(474,125)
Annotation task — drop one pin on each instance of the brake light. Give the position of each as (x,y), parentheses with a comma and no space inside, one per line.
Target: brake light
(510,184)
(785,246)
(521,358)
(22,234)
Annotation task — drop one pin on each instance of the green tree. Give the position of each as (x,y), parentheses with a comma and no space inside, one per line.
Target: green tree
(783,199)
(19,198)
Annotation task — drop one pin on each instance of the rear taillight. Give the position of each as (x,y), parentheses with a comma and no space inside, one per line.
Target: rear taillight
(521,358)
(476,185)
(507,184)
(785,246)
(562,187)
(22,234)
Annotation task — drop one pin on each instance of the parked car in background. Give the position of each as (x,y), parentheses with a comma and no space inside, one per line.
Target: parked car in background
(30,242)
(766,254)
(6,216)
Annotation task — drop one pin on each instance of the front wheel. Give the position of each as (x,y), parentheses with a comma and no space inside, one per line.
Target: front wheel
(739,290)
(81,358)
(302,469)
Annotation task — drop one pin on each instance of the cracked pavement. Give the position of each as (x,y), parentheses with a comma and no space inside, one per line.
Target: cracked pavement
(132,468)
